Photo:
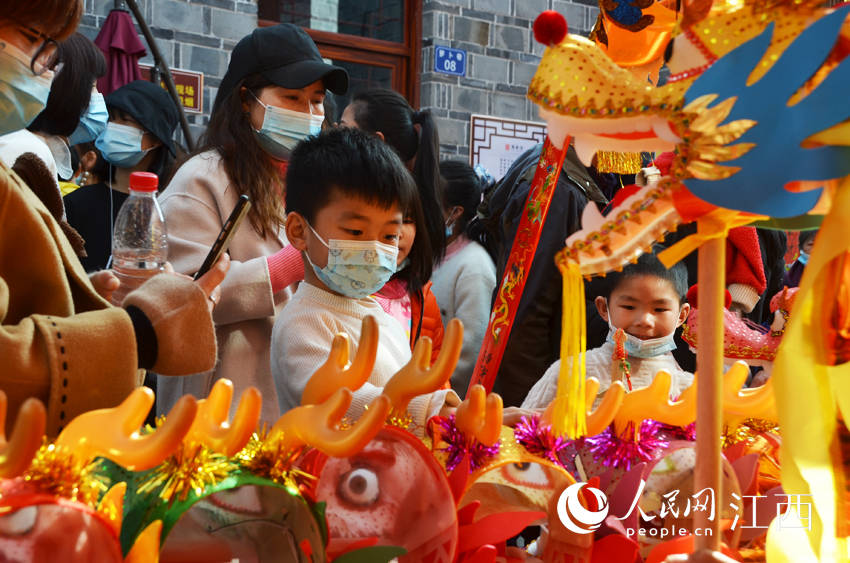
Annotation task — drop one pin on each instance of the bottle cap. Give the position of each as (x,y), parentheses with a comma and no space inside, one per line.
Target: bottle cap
(143,182)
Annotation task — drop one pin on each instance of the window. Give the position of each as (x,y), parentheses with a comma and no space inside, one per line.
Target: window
(377,41)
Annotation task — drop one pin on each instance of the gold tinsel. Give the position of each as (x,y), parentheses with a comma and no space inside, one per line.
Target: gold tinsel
(264,456)
(747,431)
(399,420)
(191,468)
(55,470)
(618,162)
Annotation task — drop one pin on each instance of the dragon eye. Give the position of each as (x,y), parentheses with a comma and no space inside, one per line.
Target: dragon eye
(526,474)
(360,487)
(18,522)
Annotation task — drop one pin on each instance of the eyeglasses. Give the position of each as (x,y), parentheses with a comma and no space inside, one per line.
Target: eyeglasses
(43,59)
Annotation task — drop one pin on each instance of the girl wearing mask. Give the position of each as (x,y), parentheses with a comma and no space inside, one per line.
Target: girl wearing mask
(464,281)
(50,164)
(270,99)
(58,333)
(142,119)
(72,92)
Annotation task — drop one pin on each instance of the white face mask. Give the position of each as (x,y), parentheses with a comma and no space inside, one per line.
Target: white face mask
(649,348)
(284,128)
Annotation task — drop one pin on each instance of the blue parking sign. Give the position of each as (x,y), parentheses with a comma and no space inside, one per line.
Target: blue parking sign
(450,61)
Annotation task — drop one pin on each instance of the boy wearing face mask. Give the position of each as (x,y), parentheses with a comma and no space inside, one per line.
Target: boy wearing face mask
(794,274)
(646,300)
(345,194)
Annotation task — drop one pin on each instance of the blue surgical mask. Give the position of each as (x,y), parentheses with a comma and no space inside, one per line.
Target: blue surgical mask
(803,258)
(92,123)
(450,229)
(649,348)
(121,145)
(22,95)
(356,268)
(283,129)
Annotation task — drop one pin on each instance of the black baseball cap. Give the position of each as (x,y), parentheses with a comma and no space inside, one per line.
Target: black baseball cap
(152,108)
(285,55)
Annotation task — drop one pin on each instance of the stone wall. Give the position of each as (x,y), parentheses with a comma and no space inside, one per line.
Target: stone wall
(497,34)
(503,56)
(197,35)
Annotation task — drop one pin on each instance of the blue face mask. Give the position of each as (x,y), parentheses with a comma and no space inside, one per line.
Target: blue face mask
(121,145)
(356,268)
(22,95)
(283,129)
(450,230)
(92,123)
(803,258)
(649,348)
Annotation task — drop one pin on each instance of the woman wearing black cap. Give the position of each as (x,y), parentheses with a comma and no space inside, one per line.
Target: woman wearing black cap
(270,99)
(142,119)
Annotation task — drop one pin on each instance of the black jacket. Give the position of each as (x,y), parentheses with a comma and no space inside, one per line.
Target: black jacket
(534,341)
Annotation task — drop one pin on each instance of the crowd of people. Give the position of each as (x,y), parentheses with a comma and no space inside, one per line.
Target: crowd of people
(352,216)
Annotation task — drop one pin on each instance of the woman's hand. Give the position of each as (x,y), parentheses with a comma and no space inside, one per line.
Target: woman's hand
(211,281)
(105,283)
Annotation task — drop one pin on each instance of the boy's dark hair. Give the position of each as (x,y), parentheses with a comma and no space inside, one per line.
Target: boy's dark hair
(649,265)
(82,63)
(462,188)
(362,166)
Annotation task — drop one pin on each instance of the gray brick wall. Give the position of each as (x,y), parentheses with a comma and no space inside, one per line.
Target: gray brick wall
(497,34)
(196,35)
(503,56)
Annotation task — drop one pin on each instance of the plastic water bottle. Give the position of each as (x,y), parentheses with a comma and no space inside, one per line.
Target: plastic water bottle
(139,241)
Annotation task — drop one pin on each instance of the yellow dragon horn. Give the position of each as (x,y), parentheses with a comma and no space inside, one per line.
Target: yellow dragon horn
(318,425)
(419,376)
(480,415)
(337,372)
(114,432)
(741,404)
(211,426)
(16,454)
(654,402)
(111,506)
(146,547)
(599,418)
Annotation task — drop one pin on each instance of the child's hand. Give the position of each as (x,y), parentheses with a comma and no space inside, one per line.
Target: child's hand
(447,411)
(512,415)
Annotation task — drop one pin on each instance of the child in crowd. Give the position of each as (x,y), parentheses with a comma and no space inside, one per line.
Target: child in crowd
(806,242)
(407,297)
(646,300)
(345,192)
(465,279)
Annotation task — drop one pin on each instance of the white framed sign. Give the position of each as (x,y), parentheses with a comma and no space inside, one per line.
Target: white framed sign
(496,142)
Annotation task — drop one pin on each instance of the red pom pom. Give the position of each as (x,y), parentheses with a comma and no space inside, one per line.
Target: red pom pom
(550,28)
(691,297)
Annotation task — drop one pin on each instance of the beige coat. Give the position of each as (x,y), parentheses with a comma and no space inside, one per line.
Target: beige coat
(196,204)
(62,343)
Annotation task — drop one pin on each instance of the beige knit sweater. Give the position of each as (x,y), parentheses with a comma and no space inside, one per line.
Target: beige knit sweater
(302,340)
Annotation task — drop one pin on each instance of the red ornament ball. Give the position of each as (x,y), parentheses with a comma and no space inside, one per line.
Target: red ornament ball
(550,28)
